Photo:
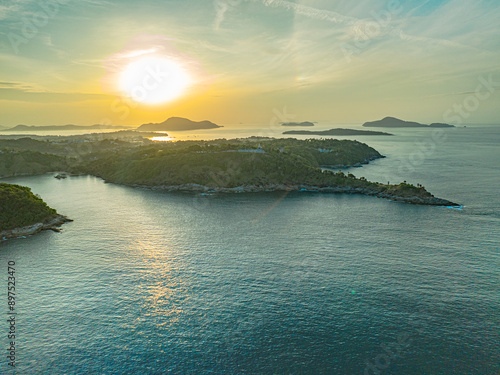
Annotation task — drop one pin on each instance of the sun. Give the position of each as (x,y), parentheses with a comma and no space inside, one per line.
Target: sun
(154,80)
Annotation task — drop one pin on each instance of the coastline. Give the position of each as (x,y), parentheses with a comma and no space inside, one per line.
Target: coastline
(430,201)
(53,224)
(355,165)
(197,188)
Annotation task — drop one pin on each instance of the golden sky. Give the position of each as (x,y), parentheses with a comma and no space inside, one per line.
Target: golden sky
(237,61)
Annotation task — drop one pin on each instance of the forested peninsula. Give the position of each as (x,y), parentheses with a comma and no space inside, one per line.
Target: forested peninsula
(237,165)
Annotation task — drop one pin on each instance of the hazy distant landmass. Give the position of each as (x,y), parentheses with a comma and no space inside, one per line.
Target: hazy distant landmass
(337,131)
(440,125)
(27,128)
(178,124)
(305,123)
(392,122)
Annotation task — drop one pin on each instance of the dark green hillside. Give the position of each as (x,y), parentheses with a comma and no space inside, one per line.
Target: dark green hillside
(249,164)
(19,207)
(285,163)
(327,152)
(18,163)
(222,163)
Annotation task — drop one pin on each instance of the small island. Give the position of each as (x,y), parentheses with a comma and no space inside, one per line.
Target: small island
(392,122)
(305,123)
(177,124)
(336,131)
(23,213)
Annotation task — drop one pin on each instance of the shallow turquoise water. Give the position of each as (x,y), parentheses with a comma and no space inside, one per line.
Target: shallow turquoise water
(148,282)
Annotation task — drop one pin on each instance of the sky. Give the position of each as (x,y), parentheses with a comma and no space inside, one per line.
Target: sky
(249,61)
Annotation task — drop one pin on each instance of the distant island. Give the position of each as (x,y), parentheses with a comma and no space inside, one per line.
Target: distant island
(392,122)
(23,213)
(27,128)
(305,123)
(177,124)
(336,131)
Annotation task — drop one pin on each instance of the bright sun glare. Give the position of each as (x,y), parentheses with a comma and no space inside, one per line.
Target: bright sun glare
(153,80)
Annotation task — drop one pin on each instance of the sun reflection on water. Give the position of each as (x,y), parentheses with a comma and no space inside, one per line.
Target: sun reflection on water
(161,287)
(162,139)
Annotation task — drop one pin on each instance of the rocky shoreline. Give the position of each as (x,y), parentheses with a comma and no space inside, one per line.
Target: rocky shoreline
(53,224)
(206,190)
(355,165)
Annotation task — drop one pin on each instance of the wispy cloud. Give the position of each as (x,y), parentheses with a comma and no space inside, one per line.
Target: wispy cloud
(13,92)
(311,12)
(17,85)
(7,10)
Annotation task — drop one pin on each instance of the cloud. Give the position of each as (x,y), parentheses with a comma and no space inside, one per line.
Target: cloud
(9,84)
(221,7)
(311,12)
(18,91)
(18,86)
(7,10)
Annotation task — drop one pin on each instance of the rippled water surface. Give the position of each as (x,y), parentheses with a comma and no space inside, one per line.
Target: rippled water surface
(148,282)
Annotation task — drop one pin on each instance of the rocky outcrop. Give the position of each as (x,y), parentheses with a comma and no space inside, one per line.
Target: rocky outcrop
(355,165)
(52,224)
(429,201)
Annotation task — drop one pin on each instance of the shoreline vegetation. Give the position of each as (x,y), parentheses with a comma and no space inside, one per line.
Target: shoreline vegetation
(24,214)
(385,194)
(254,164)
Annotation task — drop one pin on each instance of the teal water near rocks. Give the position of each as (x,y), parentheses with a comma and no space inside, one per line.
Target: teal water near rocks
(146,282)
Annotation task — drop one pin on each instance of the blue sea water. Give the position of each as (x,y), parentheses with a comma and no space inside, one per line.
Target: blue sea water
(147,282)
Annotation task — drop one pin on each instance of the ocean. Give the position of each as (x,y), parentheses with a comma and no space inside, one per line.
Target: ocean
(149,282)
